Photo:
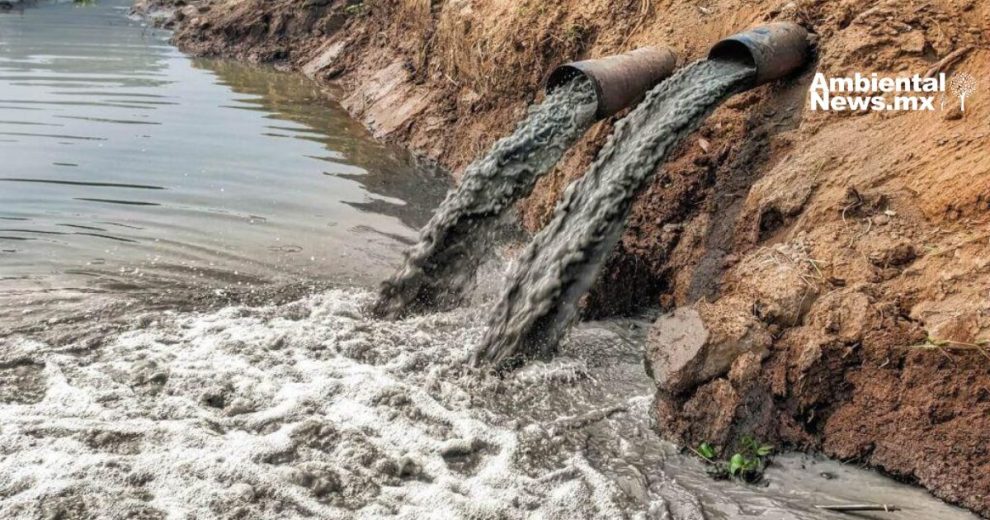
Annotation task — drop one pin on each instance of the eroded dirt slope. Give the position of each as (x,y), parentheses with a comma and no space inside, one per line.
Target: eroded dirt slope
(838,263)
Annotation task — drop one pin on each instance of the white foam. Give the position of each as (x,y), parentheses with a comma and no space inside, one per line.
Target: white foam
(290,411)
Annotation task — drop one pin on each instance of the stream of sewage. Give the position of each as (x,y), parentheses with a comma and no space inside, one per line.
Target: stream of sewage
(559,266)
(130,171)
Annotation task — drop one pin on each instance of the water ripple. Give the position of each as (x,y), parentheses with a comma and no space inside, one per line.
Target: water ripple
(84,183)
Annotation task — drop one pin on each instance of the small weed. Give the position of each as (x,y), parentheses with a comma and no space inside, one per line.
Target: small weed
(576,34)
(356,9)
(706,450)
(532,10)
(747,464)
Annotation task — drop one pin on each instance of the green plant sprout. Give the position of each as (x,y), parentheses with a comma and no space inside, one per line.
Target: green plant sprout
(748,464)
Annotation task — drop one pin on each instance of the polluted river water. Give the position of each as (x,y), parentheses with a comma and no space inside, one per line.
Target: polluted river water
(130,170)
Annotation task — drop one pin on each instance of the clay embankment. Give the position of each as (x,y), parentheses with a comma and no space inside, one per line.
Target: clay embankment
(837,264)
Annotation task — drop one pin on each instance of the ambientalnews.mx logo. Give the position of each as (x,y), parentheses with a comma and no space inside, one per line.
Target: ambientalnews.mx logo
(876,93)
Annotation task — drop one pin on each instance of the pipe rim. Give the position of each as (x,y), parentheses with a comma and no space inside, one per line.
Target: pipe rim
(731,49)
(775,50)
(567,72)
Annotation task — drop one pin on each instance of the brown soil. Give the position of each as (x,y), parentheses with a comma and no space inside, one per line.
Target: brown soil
(858,241)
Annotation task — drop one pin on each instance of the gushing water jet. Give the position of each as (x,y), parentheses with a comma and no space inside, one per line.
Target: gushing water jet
(440,267)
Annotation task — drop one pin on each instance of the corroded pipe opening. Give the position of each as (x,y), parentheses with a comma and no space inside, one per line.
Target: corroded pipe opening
(620,80)
(775,50)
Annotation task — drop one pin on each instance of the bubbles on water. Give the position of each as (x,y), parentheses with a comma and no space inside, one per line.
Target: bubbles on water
(312,409)
(288,411)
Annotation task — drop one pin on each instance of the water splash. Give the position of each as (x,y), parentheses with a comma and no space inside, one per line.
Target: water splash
(308,409)
(441,265)
(560,264)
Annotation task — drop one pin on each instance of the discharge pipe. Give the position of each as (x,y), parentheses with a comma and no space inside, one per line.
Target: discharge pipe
(621,80)
(775,50)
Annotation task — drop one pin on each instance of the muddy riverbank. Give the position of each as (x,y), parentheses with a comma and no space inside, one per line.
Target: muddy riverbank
(837,262)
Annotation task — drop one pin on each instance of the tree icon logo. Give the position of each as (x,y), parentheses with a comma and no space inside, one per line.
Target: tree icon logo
(962,85)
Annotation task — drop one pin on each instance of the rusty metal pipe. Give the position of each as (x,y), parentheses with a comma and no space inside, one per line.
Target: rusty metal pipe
(620,80)
(775,50)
